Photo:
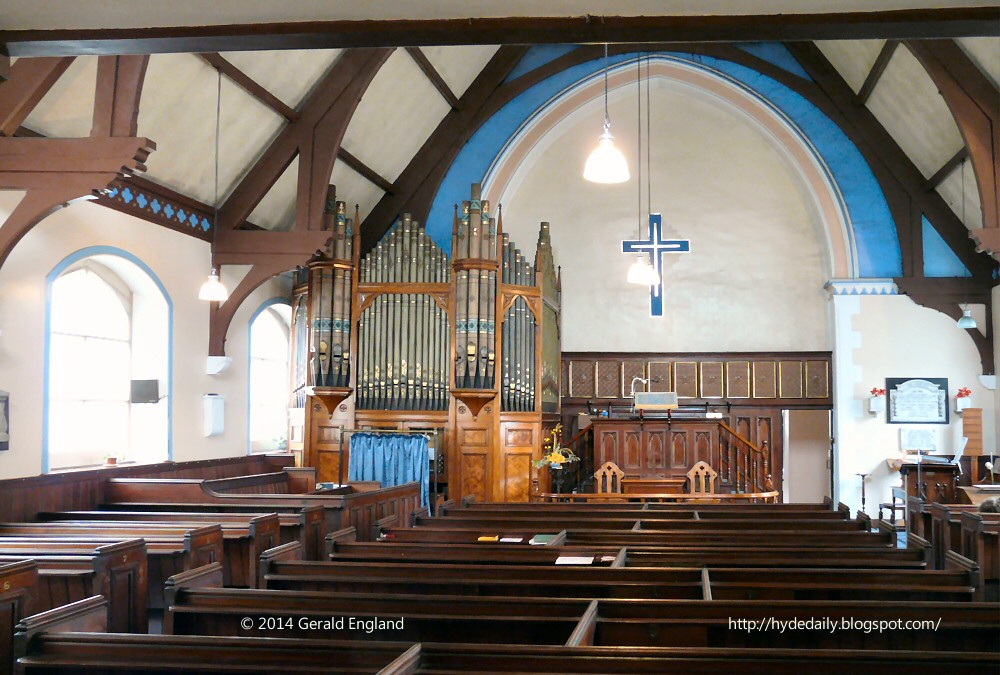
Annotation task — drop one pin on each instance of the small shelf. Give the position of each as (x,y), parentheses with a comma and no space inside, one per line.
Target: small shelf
(330,397)
(474,399)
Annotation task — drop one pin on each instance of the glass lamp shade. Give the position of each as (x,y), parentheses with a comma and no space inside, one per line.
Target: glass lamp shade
(967,321)
(606,163)
(642,273)
(213,290)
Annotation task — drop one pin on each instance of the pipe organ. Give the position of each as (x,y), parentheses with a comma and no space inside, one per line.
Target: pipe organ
(409,337)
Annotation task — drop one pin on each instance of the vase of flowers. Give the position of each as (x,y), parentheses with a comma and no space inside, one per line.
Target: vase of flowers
(962,399)
(876,401)
(556,456)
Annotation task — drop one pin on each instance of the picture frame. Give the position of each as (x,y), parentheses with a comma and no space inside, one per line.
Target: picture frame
(917,400)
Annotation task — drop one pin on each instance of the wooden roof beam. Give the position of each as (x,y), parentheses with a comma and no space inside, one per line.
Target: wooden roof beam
(434,76)
(875,74)
(249,85)
(946,22)
(941,174)
(29,81)
(366,171)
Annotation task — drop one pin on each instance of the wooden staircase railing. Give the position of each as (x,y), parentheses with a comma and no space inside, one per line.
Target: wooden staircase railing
(582,445)
(742,465)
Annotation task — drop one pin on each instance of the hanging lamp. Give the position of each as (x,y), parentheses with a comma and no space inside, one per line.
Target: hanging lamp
(606,163)
(213,290)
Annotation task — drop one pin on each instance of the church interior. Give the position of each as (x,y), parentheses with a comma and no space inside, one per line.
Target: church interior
(539,337)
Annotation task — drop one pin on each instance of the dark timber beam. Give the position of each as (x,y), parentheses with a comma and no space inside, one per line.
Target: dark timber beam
(314,138)
(250,85)
(116,99)
(875,74)
(941,174)
(882,152)
(975,104)
(433,75)
(366,171)
(898,24)
(29,81)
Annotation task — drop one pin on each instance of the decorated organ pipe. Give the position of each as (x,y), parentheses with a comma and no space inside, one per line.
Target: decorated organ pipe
(475,250)
(519,334)
(403,336)
(330,295)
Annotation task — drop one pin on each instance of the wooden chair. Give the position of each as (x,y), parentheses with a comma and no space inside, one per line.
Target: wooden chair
(608,479)
(701,479)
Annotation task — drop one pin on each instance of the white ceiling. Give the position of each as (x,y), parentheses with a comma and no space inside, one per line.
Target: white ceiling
(54,14)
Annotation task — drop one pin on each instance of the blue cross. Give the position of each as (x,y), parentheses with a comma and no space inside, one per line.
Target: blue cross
(656,246)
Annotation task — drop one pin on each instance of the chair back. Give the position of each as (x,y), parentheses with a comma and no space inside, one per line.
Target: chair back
(608,479)
(701,479)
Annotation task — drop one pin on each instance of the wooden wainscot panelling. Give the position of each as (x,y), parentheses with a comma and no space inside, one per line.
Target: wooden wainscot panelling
(790,379)
(475,450)
(581,379)
(738,379)
(323,439)
(609,379)
(686,379)
(679,449)
(764,384)
(632,369)
(817,379)
(659,376)
(711,379)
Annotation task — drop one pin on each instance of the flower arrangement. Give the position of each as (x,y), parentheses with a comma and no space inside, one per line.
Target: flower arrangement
(555,454)
(964,392)
(877,392)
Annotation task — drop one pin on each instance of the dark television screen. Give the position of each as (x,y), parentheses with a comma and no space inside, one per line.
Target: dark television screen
(145,391)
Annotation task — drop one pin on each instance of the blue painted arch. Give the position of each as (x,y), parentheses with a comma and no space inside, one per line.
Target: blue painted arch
(870,221)
(50,278)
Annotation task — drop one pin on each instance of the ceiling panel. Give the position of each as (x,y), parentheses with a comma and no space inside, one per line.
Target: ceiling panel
(909,106)
(289,75)
(396,115)
(459,66)
(177,111)
(951,190)
(276,211)
(985,51)
(853,59)
(67,110)
(353,188)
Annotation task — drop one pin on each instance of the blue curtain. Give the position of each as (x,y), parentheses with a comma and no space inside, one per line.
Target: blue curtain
(391,459)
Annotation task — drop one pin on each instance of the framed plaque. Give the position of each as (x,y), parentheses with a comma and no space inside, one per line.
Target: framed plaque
(917,400)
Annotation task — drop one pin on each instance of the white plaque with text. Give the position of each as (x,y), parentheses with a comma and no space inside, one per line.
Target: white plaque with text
(918,402)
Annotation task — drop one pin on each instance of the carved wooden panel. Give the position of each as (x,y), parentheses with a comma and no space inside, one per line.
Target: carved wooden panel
(764,382)
(517,477)
(630,370)
(607,446)
(817,379)
(659,375)
(632,441)
(790,379)
(473,437)
(711,379)
(518,438)
(657,461)
(738,379)
(702,447)
(474,475)
(519,441)
(581,379)
(609,379)
(679,446)
(686,379)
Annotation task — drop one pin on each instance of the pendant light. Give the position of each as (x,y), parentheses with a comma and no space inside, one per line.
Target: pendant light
(966,321)
(213,290)
(606,163)
(641,272)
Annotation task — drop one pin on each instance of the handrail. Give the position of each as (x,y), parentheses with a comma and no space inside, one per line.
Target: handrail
(581,472)
(750,472)
(583,432)
(740,437)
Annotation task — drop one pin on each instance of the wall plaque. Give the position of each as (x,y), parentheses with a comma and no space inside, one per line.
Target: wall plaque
(915,400)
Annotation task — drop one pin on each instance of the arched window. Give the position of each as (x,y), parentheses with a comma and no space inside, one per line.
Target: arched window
(270,379)
(108,365)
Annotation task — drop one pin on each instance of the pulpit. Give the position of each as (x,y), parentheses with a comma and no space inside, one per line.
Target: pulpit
(931,481)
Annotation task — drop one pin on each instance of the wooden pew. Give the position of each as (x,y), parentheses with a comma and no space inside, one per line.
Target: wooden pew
(282,569)
(244,537)
(305,524)
(17,593)
(69,571)
(570,521)
(196,608)
(288,481)
(980,533)
(169,550)
(349,507)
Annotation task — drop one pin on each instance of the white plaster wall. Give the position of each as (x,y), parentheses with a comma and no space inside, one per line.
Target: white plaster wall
(891,336)
(807,476)
(754,278)
(181,262)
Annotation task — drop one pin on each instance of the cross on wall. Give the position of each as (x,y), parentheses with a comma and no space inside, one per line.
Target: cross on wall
(655,246)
